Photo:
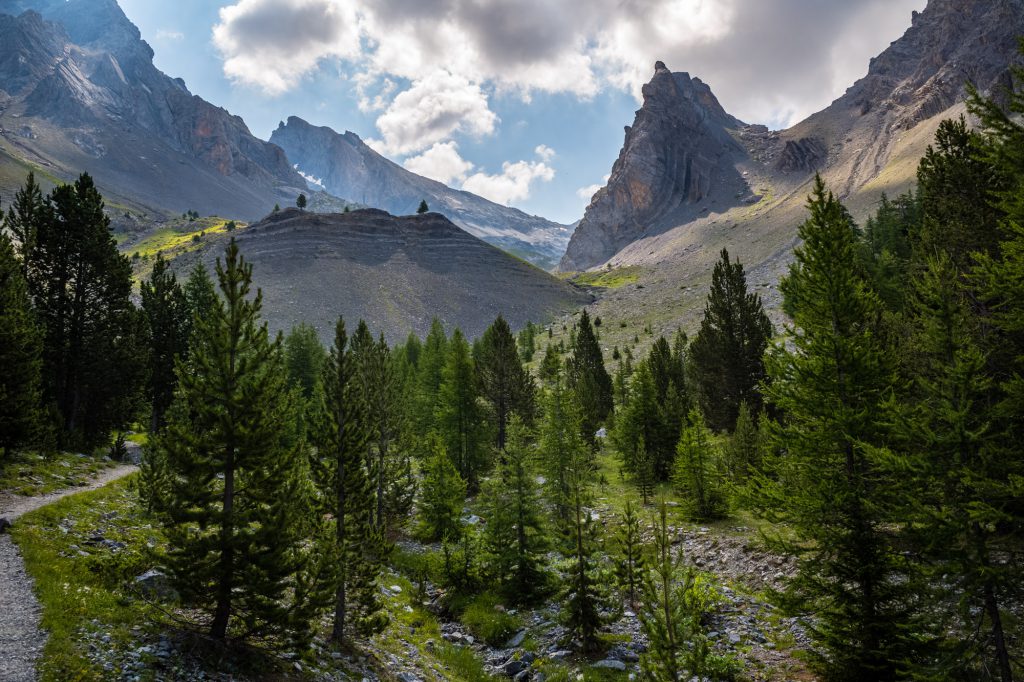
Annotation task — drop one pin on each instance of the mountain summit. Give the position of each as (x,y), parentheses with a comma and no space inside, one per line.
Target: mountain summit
(347,167)
(79,92)
(678,154)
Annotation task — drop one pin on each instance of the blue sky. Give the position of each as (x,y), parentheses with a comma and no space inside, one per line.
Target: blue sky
(523,101)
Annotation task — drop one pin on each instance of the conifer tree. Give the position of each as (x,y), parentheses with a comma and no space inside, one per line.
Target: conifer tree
(561,447)
(696,474)
(93,362)
(200,294)
(24,216)
(301,202)
(166,310)
(670,615)
(354,548)
(960,510)
(444,493)
(829,383)
(644,420)
(630,565)
(743,450)
(505,384)
(588,379)
(423,208)
(236,465)
(304,358)
(430,365)
(727,353)
(461,422)
(586,597)
(515,536)
(379,385)
(20,351)
(550,365)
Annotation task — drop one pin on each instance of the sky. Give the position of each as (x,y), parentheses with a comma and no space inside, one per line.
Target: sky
(520,101)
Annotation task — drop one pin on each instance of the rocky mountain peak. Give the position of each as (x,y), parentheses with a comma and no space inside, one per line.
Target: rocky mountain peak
(678,154)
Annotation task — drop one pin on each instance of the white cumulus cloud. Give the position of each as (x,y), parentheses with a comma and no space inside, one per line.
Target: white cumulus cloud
(432,110)
(515,180)
(273,44)
(442,162)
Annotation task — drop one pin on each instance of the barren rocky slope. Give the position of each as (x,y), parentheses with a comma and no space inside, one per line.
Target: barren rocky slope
(397,273)
(865,143)
(348,168)
(79,92)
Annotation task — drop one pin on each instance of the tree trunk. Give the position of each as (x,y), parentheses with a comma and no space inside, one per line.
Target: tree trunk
(222,613)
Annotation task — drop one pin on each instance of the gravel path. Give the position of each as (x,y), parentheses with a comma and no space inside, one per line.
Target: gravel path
(21,639)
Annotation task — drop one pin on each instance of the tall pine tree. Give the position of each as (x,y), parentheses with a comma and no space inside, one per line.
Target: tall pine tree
(505,384)
(588,379)
(340,433)
(829,382)
(727,353)
(166,310)
(20,349)
(461,421)
(235,465)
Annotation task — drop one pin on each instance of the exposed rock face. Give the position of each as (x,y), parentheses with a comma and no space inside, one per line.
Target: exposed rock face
(805,155)
(78,74)
(347,167)
(677,154)
(394,272)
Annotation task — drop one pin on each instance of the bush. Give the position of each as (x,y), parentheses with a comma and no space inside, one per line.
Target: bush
(486,621)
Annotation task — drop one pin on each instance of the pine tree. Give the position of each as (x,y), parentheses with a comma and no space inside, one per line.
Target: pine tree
(505,384)
(379,385)
(829,383)
(166,310)
(339,470)
(727,353)
(93,362)
(586,597)
(960,511)
(24,216)
(560,447)
(588,379)
(430,366)
(630,565)
(461,422)
(236,465)
(423,208)
(743,450)
(301,202)
(444,493)
(200,295)
(515,536)
(696,474)
(550,365)
(671,608)
(20,351)
(643,420)
(304,358)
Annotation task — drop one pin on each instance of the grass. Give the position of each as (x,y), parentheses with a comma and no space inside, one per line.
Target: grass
(180,237)
(31,473)
(613,278)
(486,621)
(77,592)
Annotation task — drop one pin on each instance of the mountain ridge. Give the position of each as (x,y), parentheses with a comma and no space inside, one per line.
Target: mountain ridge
(350,168)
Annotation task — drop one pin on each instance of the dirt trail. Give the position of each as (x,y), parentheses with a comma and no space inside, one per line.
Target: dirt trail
(21,638)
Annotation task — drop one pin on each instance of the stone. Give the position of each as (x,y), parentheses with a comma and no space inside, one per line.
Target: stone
(155,584)
(513,667)
(516,640)
(611,664)
(4,524)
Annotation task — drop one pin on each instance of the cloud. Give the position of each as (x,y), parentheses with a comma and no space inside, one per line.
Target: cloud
(769,61)
(273,44)
(433,109)
(169,35)
(587,193)
(441,162)
(515,179)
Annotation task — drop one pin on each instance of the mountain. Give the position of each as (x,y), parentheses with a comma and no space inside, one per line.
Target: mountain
(397,273)
(691,180)
(678,155)
(79,92)
(346,166)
